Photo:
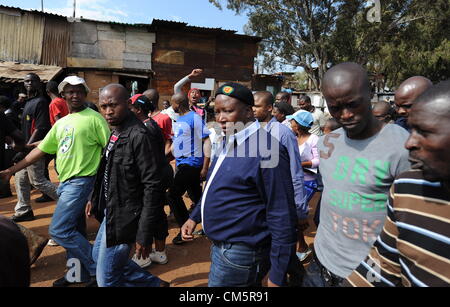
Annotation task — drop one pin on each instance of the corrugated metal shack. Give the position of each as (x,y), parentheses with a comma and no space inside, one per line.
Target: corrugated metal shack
(138,56)
(101,52)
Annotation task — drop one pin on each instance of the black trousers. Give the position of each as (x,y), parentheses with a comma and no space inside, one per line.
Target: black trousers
(186,178)
(162,230)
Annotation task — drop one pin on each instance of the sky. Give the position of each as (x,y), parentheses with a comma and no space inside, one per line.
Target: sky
(194,12)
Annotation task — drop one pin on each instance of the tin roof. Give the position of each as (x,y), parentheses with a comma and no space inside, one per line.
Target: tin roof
(11,72)
(155,23)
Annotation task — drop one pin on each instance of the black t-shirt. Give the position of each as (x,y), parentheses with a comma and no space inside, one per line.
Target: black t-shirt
(6,128)
(35,116)
(157,137)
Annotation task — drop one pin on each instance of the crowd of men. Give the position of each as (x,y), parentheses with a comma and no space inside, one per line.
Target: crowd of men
(383,173)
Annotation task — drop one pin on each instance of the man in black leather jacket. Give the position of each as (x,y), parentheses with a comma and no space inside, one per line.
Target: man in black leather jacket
(126,196)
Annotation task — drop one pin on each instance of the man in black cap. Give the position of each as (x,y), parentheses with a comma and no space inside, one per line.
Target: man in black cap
(247,207)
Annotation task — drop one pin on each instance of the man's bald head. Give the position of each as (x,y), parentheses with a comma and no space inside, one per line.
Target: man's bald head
(346,77)
(429,142)
(115,90)
(113,104)
(152,94)
(382,111)
(408,91)
(265,97)
(180,102)
(347,92)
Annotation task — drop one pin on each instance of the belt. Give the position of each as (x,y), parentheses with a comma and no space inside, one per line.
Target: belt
(331,279)
(78,177)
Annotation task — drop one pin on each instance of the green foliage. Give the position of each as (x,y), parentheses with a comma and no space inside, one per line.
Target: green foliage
(411,39)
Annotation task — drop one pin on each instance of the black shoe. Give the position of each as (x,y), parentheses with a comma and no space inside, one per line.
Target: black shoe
(29,216)
(43,199)
(178,240)
(62,283)
(92,283)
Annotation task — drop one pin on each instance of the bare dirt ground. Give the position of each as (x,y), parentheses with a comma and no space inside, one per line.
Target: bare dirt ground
(188,264)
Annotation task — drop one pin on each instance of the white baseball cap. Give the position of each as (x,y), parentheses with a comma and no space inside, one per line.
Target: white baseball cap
(73,80)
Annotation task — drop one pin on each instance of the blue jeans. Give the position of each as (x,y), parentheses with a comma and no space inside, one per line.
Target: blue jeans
(318,276)
(238,265)
(68,221)
(114,266)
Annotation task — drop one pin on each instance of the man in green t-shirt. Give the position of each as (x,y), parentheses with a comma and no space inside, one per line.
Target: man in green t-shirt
(77,140)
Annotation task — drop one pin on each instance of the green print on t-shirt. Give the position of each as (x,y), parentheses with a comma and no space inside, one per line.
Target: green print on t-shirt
(350,201)
(360,169)
(357,171)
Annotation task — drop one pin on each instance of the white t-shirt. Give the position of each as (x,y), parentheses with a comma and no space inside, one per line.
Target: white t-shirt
(319,121)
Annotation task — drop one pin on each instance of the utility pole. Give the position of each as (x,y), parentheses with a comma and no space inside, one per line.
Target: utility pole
(74,7)
(42,5)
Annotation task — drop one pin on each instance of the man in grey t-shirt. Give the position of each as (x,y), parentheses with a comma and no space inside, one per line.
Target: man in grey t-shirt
(358,165)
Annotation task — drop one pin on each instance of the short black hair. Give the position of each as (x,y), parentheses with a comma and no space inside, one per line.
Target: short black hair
(35,76)
(144,104)
(304,98)
(284,108)
(52,87)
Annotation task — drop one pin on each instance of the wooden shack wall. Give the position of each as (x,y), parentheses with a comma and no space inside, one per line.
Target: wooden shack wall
(222,57)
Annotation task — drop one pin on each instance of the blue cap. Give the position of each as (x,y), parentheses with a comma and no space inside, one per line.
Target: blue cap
(303,118)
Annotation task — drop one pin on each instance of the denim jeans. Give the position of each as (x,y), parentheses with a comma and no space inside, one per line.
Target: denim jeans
(114,266)
(68,221)
(318,276)
(35,175)
(238,265)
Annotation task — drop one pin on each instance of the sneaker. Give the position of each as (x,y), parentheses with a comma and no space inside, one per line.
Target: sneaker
(143,263)
(303,255)
(178,240)
(29,216)
(43,199)
(52,242)
(159,257)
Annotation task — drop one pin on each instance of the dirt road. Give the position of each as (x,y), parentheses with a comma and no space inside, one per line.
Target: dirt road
(188,264)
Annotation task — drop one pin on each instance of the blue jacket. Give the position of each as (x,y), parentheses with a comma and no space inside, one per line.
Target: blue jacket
(248,201)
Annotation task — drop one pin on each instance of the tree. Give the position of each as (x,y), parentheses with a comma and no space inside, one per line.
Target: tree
(316,34)
(294,32)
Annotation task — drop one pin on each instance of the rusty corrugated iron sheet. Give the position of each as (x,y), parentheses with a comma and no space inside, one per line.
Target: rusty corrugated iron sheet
(21,37)
(11,72)
(56,42)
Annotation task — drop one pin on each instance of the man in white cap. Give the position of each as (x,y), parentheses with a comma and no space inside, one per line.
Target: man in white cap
(77,140)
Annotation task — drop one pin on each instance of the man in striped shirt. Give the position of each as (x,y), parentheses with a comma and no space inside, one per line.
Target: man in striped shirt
(414,246)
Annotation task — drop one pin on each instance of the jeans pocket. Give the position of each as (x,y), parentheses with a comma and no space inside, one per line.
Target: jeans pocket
(238,258)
